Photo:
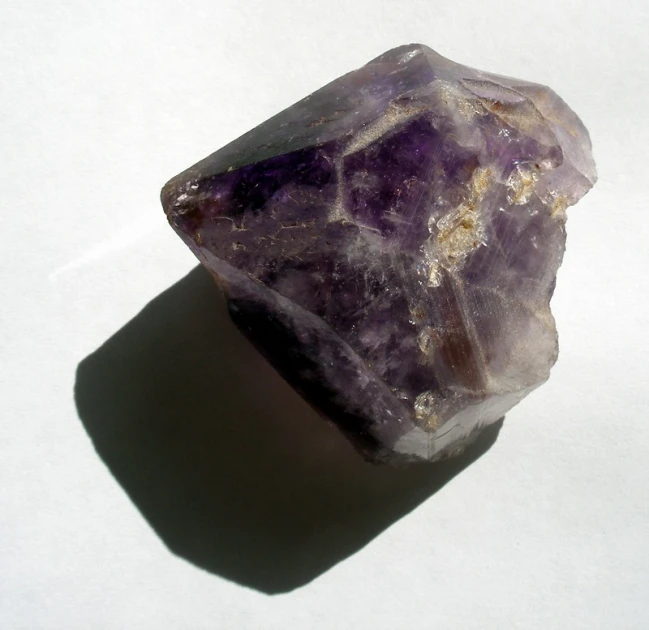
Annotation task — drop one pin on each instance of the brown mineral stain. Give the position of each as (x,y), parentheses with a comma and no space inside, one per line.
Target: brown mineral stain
(319,121)
(558,208)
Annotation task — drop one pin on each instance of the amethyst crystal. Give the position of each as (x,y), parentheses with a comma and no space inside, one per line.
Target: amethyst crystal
(390,244)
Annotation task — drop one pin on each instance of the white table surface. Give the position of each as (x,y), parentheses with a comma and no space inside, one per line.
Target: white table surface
(204,457)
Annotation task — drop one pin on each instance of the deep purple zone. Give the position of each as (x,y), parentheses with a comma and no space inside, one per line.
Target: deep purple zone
(391,185)
(386,183)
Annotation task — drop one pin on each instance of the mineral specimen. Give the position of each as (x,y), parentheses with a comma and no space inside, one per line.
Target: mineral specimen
(390,244)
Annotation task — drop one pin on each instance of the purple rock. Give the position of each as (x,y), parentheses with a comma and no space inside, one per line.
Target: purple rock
(390,244)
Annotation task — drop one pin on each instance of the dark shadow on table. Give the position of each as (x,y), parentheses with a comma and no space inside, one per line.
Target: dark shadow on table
(230,467)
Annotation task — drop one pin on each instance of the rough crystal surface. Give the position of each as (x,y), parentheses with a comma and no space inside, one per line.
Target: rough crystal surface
(390,244)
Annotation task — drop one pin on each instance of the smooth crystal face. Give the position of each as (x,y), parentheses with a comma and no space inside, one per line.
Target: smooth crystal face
(390,244)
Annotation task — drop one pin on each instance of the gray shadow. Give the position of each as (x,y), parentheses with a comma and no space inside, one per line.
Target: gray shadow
(228,465)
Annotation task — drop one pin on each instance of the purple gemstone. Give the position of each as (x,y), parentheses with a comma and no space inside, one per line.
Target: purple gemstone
(390,244)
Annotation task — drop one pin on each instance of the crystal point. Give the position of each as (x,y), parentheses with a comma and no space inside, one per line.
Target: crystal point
(390,244)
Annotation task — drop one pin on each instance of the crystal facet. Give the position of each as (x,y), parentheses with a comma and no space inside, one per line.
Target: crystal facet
(390,244)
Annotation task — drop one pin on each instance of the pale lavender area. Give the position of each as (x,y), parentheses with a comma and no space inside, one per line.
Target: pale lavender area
(390,243)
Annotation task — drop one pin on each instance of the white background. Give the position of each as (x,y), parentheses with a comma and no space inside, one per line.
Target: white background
(102,102)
